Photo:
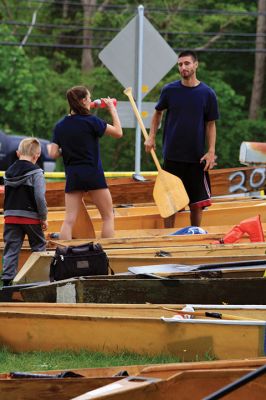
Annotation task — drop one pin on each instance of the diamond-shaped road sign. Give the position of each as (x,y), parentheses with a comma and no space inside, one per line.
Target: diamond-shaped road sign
(127,117)
(120,56)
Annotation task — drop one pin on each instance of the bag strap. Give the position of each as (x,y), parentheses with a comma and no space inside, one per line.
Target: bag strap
(51,272)
(84,248)
(111,270)
(109,266)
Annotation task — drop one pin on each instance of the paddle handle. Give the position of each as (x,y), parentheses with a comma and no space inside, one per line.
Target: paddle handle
(210,314)
(128,93)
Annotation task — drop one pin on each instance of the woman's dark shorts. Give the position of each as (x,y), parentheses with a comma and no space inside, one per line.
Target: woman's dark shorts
(83,178)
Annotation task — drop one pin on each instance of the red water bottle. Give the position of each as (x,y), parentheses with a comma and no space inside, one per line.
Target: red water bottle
(99,103)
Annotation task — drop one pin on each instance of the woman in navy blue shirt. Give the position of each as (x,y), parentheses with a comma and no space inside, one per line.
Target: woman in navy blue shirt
(76,138)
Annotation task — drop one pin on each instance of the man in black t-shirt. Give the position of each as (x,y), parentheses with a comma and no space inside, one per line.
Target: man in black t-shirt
(191,111)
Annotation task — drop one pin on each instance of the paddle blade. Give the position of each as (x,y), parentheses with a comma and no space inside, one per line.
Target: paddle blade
(169,194)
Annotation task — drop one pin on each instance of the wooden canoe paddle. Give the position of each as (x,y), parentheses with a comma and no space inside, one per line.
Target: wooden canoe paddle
(169,193)
(209,314)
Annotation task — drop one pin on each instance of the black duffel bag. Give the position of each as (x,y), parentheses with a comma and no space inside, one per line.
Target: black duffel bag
(83,260)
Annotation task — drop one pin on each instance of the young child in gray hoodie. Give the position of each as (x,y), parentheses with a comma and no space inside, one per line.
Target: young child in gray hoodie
(25,211)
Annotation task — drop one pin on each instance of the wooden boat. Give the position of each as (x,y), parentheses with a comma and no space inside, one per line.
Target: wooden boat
(127,190)
(185,385)
(151,208)
(213,217)
(161,371)
(51,388)
(40,327)
(138,239)
(138,208)
(37,265)
(112,289)
(31,386)
(129,239)
(236,249)
(248,269)
(150,218)
(146,310)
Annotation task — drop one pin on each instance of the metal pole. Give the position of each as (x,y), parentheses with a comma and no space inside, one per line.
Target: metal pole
(139,91)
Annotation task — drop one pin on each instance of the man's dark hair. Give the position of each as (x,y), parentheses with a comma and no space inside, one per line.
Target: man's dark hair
(187,53)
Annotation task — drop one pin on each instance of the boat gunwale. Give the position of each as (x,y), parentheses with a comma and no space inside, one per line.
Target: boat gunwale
(49,315)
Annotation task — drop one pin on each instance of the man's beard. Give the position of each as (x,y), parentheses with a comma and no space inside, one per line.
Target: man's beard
(187,76)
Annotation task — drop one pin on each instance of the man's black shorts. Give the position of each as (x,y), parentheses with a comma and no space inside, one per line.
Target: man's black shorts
(195,180)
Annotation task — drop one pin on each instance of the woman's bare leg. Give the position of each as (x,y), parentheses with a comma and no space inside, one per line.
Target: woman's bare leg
(103,201)
(72,202)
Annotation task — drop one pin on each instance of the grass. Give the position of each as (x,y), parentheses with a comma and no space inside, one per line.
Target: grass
(62,360)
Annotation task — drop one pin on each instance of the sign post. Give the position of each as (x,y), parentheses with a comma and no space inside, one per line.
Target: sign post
(138,57)
(139,92)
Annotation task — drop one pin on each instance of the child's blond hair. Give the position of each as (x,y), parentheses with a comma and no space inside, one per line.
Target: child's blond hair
(29,147)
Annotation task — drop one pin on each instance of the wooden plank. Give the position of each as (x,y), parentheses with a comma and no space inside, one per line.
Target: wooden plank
(83,227)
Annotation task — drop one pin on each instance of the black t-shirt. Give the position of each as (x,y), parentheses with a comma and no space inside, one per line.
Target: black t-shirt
(188,110)
(78,137)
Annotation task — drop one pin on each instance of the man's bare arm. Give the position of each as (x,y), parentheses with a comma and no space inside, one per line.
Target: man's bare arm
(155,123)
(210,156)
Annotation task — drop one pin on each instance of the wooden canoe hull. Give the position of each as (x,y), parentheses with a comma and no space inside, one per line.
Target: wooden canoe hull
(232,312)
(36,267)
(161,371)
(155,291)
(127,190)
(152,220)
(158,239)
(121,264)
(186,338)
(30,389)
(210,217)
(50,389)
(194,385)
